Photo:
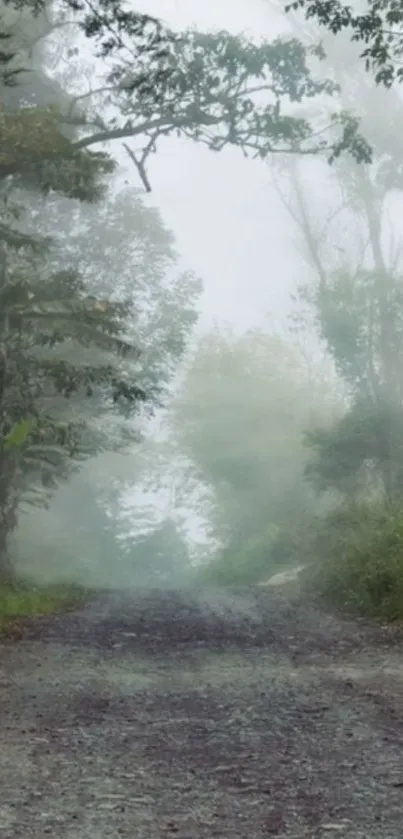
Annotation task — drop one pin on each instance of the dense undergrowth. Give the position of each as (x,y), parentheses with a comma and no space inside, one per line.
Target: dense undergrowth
(256,559)
(356,559)
(353,559)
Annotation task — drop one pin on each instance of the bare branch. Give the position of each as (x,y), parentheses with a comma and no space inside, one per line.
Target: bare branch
(300,216)
(102,89)
(140,167)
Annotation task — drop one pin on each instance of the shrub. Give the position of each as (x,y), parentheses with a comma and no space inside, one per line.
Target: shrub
(254,561)
(357,559)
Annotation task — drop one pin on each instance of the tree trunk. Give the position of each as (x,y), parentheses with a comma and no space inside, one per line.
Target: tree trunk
(8,504)
(7,574)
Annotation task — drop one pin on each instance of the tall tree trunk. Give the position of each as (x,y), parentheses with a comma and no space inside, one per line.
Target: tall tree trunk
(7,481)
(7,514)
(389,390)
(7,574)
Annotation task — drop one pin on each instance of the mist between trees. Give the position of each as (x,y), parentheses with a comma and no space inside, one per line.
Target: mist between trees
(133,450)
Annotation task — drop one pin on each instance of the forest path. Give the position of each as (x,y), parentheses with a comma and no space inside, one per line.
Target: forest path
(236,713)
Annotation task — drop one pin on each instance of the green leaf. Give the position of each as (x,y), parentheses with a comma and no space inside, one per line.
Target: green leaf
(18,434)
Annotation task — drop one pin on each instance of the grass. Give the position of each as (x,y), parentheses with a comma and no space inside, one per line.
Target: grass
(20,601)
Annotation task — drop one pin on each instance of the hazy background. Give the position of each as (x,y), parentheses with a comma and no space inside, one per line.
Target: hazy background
(271,349)
(230,226)
(231,229)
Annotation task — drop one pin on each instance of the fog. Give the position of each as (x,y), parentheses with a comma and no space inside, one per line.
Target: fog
(246,266)
(209,379)
(201,419)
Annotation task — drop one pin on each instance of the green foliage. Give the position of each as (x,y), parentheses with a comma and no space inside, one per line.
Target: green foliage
(22,600)
(109,22)
(289,543)
(18,434)
(355,294)
(51,332)
(42,310)
(279,547)
(364,445)
(71,356)
(214,88)
(379,27)
(206,86)
(248,564)
(360,318)
(225,69)
(73,538)
(89,535)
(358,559)
(36,153)
(239,416)
(70,336)
(355,298)
(127,255)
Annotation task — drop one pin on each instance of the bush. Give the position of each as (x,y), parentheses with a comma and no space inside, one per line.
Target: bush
(357,559)
(254,561)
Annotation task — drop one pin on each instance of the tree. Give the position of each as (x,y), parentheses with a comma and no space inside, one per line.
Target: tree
(74,348)
(355,290)
(378,26)
(19,306)
(72,539)
(67,360)
(33,147)
(121,520)
(126,254)
(50,329)
(216,89)
(239,416)
(220,90)
(163,485)
(43,310)
(361,322)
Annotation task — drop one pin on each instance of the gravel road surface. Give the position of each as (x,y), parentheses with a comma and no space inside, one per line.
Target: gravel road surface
(237,713)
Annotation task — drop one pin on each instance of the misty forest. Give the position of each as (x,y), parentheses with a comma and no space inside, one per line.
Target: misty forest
(137,447)
(151,446)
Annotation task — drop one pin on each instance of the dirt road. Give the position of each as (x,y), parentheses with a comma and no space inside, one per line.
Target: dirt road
(219,714)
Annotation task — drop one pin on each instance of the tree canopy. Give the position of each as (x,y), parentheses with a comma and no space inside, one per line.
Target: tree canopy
(217,89)
(378,26)
(82,349)
(240,415)
(352,247)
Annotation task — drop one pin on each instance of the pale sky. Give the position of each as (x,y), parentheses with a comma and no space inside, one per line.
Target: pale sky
(229,226)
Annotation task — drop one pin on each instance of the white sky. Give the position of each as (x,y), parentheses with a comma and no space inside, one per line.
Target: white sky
(229,226)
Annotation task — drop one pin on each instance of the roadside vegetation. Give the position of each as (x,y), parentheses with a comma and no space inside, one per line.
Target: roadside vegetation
(304,449)
(21,601)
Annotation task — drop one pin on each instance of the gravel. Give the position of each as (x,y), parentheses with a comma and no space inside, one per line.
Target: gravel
(236,713)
